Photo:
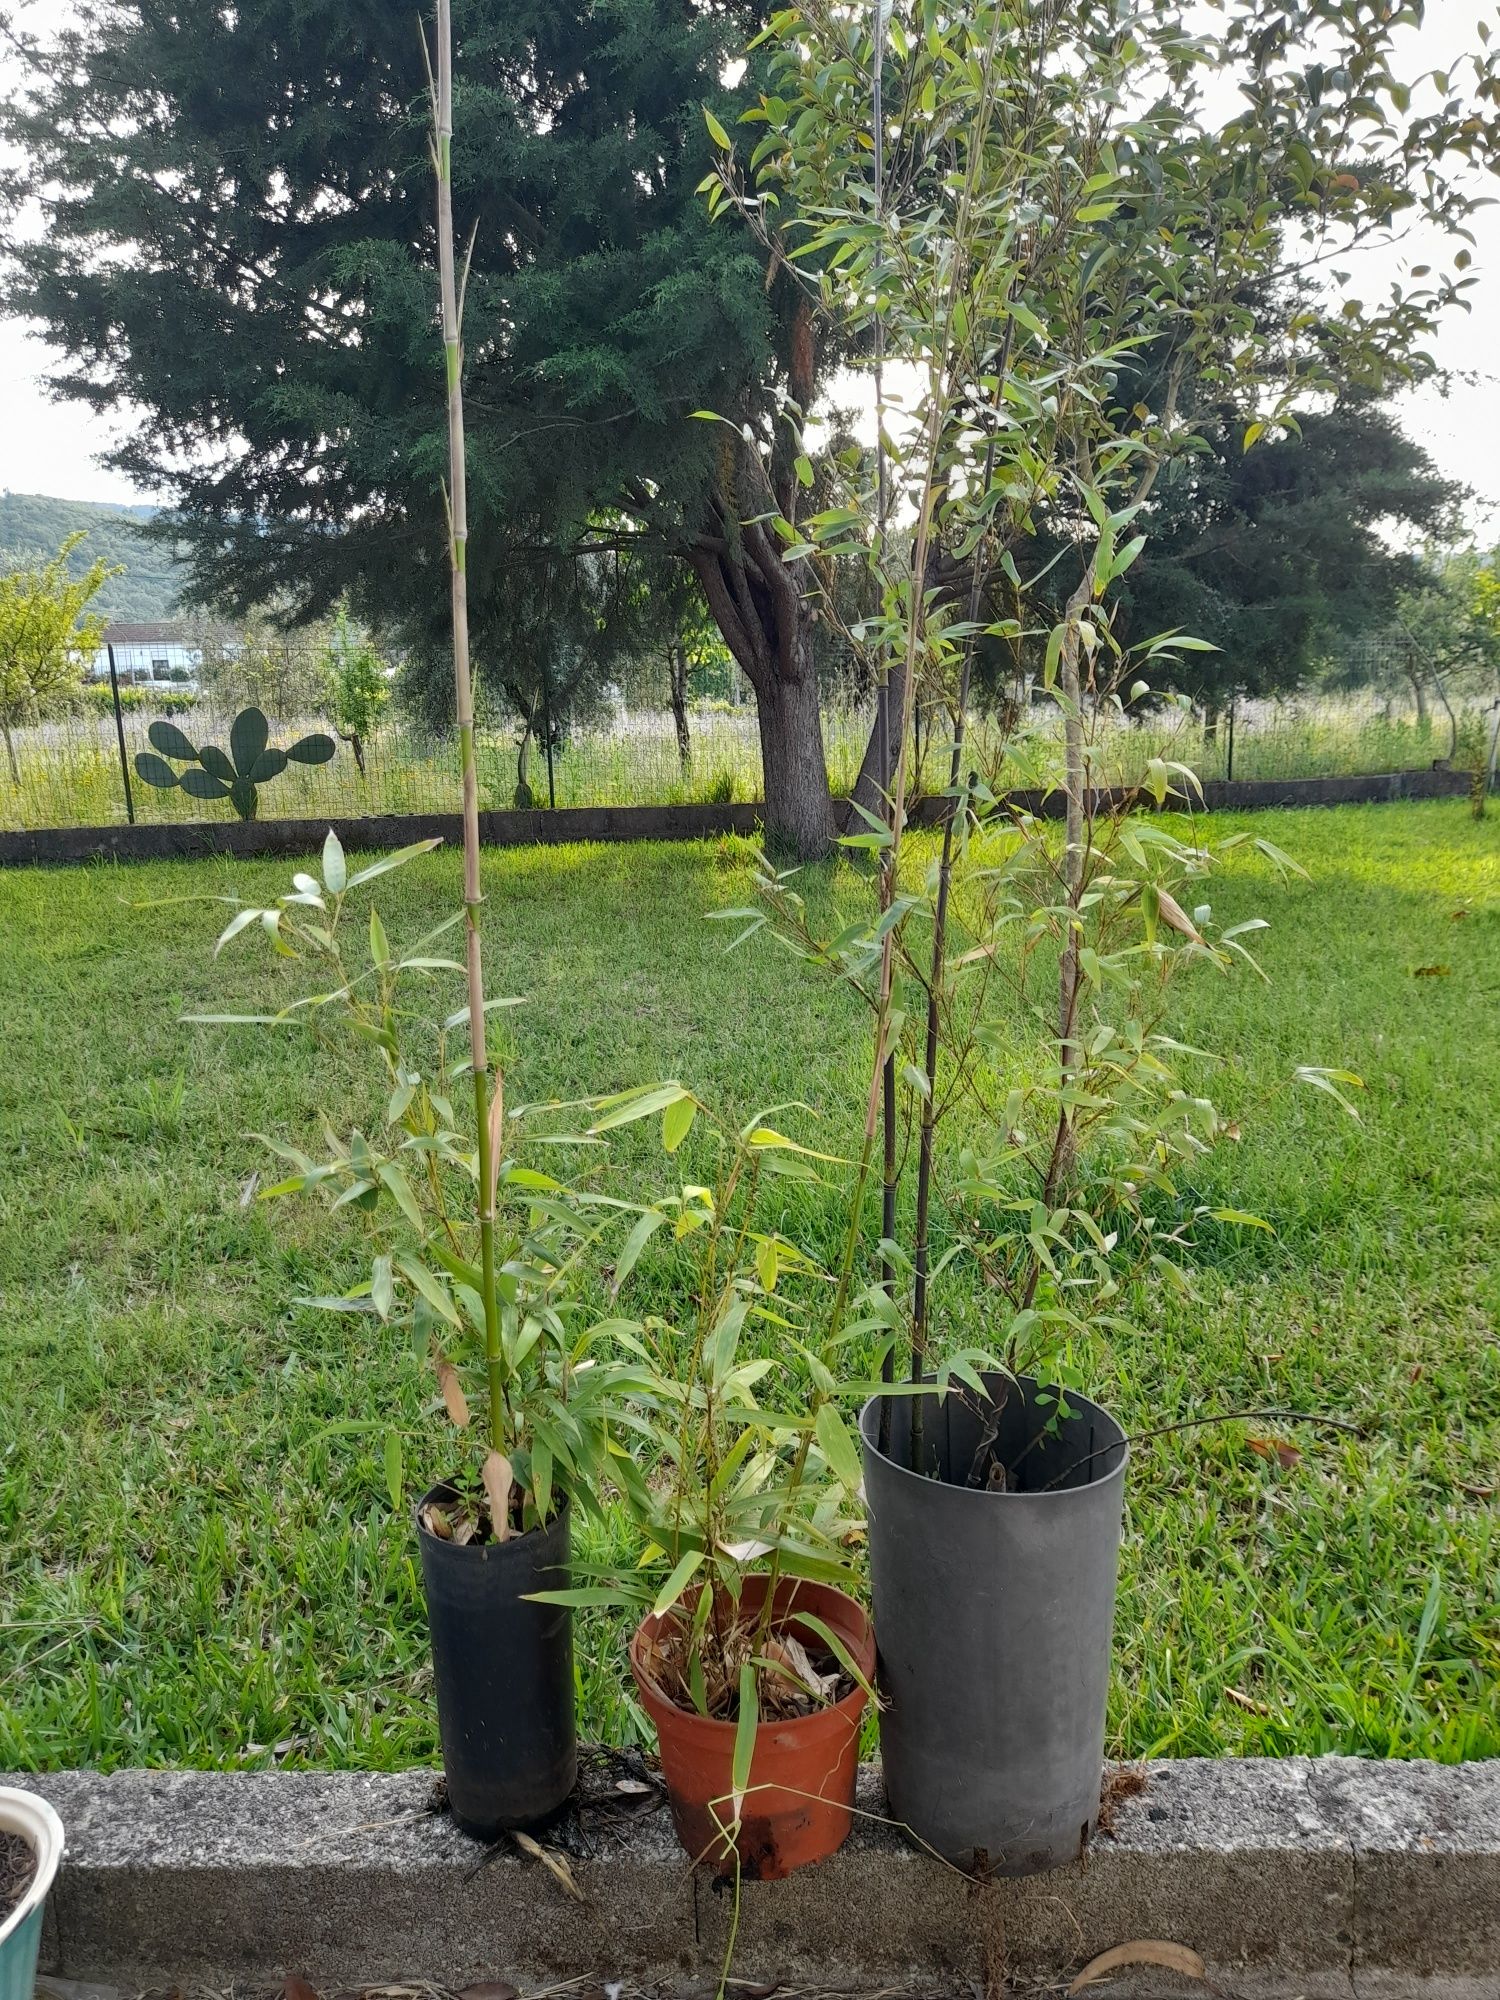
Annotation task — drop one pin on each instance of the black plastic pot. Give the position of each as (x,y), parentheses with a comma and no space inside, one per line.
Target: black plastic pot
(993,1613)
(503,1671)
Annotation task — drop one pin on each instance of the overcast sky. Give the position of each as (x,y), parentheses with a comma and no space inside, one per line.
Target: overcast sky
(54,448)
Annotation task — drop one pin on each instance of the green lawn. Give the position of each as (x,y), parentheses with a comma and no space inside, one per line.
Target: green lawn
(199,1562)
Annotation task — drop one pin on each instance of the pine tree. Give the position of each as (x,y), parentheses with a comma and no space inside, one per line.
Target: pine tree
(264,316)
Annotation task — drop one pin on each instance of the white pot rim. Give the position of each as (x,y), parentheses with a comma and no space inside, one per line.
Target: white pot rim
(32,1817)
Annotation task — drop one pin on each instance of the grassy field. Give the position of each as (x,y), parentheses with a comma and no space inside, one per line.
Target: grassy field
(199,1562)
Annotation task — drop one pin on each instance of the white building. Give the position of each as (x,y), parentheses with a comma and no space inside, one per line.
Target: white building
(159,655)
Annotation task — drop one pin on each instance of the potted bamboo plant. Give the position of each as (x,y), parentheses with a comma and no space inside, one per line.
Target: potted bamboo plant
(31,1851)
(753,1658)
(1013,229)
(483,1259)
(482,1256)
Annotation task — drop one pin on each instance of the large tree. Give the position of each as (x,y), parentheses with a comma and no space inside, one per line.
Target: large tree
(1276,555)
(238,252)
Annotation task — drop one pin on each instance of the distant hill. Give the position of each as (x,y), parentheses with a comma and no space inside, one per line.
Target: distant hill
(32,525)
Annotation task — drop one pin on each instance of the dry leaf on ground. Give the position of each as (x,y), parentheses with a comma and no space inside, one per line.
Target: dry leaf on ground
(1245,1701)
(1287,1454)
(555,1864)
(1142,1951)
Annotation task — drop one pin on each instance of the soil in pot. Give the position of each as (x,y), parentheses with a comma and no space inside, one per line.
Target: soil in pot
(17,1870)
(502,1663)
(993,1576)
(798,1805)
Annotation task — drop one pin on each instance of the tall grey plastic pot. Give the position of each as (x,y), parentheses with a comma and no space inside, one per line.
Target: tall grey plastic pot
(993,1615)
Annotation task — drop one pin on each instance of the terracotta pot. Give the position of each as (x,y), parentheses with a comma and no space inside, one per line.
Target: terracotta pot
(798,1805)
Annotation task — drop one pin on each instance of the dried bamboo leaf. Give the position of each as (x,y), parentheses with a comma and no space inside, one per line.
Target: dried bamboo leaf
(555,1864)
(1176,917)
(497,1136)
(1245,1701)
(498,1481)
(454,1400)
(1142,1951)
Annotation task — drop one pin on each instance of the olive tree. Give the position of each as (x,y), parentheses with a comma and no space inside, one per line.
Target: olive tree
(46,633)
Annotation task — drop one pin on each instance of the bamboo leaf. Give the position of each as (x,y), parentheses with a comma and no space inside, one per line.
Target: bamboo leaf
(335,873)
(676,1122)
(640,1235)
(424,1282)
(233,928)
(461,1018)
(837,1446)
(687,1566)
(839,1649)
(384,866)
(399,1187)
(744,1738)
(633,1104)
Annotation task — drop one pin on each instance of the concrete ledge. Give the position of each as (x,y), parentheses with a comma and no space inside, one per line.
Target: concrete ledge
(1328,1879)
(185,840)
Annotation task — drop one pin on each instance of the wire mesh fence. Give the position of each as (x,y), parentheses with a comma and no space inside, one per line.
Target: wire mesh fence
(80,767)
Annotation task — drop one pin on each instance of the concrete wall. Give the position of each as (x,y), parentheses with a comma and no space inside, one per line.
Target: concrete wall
(1328,1879)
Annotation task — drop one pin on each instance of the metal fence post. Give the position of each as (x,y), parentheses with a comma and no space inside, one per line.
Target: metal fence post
(547,725)
(1229,761)
(114,688)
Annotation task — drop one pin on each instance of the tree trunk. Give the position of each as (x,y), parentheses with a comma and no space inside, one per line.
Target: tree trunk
(878,765)
(799,814)
(758,604)
(10,751)
(1414,676)
(677,663)
(524,798)
(1442,695)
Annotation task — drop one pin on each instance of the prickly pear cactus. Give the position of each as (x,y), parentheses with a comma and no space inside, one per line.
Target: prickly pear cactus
(235,775)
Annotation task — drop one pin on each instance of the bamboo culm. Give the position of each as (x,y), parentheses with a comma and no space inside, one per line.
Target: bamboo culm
(488,1094)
